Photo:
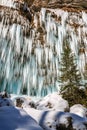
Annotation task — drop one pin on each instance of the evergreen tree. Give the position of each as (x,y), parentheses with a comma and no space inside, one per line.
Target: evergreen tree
(70,77)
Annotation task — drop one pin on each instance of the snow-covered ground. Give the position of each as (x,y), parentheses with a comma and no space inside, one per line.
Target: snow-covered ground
(49,113)
(12,118)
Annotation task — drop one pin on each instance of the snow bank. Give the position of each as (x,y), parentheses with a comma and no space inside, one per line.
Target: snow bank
(52,102)
(51,116)
(16,119)
(53,120)
(48,114)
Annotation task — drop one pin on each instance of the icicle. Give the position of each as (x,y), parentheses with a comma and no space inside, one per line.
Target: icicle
(39,53)
(46,55)
(13,32)
(18,38)
(84,17)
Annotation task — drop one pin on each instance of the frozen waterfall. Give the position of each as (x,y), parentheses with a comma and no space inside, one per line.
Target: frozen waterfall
(29,57)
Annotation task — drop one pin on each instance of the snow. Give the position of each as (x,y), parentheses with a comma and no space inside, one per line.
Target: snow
(49,120)
(12,118)
(41,116)
(5,102)
(52,102)
(79,110)
(24,100)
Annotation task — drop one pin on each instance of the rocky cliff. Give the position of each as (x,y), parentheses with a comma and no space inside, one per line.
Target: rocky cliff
(62,3)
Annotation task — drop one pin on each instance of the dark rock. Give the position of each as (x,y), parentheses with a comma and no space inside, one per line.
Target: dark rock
(25,7)
(4,95)
(32,104)
(19,102)
(28,16)
(36,8)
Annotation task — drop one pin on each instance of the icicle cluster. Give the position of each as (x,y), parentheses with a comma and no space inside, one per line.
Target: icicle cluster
(29,58)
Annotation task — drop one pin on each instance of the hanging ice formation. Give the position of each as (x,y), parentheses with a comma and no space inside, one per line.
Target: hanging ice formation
(30,54)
